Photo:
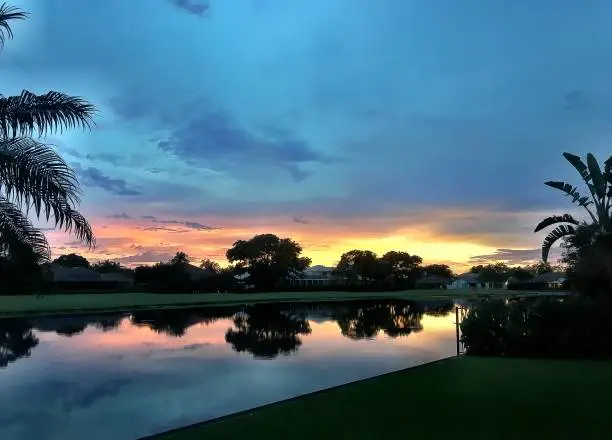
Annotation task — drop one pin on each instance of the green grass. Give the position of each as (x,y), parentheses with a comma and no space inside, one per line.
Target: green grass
(24,305)
(460,398)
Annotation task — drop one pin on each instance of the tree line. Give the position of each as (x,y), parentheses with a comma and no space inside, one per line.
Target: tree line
(267,262)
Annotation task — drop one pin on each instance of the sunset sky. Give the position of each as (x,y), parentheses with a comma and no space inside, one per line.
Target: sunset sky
(416,125)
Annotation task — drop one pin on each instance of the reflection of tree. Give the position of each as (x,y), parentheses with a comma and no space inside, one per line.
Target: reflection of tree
(266,331)
(16,340)
(70,330)
(176,322)
(395,318)
(108,323)
(74,325)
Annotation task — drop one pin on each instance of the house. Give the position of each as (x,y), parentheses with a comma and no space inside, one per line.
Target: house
(316,276)
(84,278)
(469,280)
(432,282)
(196,273)
(552,280)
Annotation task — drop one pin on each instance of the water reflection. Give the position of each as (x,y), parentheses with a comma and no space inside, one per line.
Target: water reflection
(132,375)
(16,340)
(394,318)
(266,331)
(176,322)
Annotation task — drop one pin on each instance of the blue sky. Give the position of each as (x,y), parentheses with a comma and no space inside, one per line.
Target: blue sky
(420,125)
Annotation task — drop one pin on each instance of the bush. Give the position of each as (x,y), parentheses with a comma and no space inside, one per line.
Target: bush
(568,327)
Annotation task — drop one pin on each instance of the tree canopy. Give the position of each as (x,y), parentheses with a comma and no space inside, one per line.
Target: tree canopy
(267,260)
(441,270)
(72,260)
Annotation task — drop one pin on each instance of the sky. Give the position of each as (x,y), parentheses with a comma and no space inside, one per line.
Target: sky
(414,125)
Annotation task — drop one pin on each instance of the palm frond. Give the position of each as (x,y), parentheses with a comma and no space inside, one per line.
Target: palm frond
(580,166)
(554,219)
(51,112)
(599,182)
(18,235)
(554,235)
(33,174)
(572,191)
(8,13)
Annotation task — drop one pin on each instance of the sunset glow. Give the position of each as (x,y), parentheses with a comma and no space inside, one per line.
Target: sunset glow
(410,137)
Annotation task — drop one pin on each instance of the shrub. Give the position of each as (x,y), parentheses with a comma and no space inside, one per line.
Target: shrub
(568,327)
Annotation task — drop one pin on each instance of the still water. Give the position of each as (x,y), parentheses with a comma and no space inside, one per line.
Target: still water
(125,376)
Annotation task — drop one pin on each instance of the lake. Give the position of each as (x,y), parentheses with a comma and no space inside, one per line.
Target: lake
(124,376)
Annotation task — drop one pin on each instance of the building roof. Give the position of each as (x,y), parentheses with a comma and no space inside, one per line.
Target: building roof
(73,274)
(468,276)
(549,277)
(196,272)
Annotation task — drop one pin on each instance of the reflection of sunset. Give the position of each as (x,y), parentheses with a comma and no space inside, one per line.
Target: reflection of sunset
(130,337)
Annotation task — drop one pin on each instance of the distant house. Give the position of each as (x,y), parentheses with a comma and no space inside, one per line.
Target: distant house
(83,278)
(469,280)
(552,280)
(432,282)
(316,276)
(196,273)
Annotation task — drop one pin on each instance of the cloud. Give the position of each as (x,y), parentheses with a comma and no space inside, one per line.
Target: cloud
(147,257)
(94,177)
(164,228)
(113,159)
(317,117)
(300,220)
(195,7)
(188,224)
(214,139)
(515,256)
(200,226)
(121,215)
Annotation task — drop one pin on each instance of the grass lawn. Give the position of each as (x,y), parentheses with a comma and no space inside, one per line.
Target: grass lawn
(460,398)
(20,305)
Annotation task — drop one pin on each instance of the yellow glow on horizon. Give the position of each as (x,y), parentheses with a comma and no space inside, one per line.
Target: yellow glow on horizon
(324,241)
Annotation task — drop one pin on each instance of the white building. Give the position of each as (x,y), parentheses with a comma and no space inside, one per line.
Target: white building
(553,280)
(468,280)
(316,276)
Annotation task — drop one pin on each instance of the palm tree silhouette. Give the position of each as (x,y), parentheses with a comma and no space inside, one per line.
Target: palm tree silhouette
(597,205)
(33,177)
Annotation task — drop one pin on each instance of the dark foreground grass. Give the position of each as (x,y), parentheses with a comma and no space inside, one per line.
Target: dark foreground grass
(460,398)
(26,305)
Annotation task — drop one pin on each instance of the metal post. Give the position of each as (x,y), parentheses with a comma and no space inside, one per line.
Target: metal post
(457,328)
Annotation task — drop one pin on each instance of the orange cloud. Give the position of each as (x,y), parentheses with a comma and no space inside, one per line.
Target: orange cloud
(450,236)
